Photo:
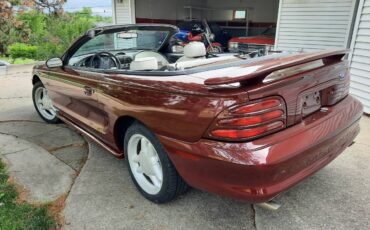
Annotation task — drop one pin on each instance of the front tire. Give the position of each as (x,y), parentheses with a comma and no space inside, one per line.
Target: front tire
(149,166)
(214,49)
(43,104)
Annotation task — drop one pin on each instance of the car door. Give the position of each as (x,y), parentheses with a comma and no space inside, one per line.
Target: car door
(74,93)
(74,88)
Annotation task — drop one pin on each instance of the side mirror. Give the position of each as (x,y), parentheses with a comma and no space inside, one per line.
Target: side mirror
(54,62)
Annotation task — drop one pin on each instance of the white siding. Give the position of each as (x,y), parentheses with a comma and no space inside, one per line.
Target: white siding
(124,11)
(360,57)
(310,25)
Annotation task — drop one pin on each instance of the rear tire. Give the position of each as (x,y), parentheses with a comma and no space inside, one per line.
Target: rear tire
(151,170)
(43,104)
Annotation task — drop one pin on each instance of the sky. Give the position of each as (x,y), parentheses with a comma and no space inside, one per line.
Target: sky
(99,7)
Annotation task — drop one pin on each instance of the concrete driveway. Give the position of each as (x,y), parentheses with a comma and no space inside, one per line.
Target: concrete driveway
(103,196)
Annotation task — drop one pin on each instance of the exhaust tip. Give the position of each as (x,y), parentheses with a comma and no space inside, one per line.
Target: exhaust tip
(270,205)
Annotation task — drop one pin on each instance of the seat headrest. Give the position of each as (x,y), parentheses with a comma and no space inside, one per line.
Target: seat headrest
(145,63)
(195,49)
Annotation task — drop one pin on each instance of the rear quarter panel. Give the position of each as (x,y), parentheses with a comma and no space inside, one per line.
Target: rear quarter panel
(176,106)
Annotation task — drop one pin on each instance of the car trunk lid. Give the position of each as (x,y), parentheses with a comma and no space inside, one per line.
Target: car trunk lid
(306,82)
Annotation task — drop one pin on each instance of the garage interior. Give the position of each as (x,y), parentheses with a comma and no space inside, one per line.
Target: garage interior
(237,17)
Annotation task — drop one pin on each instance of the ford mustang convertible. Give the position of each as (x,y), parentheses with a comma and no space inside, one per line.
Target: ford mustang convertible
(240,126)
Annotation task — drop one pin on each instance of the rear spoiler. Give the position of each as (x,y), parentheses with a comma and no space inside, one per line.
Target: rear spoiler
(266,67)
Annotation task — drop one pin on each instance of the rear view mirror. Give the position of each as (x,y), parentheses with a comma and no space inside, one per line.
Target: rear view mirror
(127,35)
(54,62)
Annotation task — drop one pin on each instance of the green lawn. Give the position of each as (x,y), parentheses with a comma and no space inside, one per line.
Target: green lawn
(13,215)
(17,60)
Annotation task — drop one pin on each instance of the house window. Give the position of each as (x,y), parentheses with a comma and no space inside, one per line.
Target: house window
(240,14)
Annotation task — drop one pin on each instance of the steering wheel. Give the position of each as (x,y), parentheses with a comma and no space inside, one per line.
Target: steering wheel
(104,60)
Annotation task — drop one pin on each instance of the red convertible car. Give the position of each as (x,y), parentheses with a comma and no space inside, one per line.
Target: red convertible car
(247,128)
(265,41)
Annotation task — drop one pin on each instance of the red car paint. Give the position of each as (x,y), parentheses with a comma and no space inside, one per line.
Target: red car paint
(262,40)
(182,109)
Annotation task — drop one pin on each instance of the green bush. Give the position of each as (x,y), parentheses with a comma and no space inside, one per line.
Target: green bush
(21,50)
(46,35)
(49,50)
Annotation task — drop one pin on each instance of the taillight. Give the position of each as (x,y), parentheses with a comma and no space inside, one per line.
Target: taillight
(250,121)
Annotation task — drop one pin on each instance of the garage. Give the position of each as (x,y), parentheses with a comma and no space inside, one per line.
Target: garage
(297,26)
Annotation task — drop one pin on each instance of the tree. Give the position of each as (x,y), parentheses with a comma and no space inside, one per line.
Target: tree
(54,7)
(11,29)
(41,24)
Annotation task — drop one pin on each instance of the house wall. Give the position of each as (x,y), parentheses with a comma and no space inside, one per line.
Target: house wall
(123,11)
(360,56)
(311,25)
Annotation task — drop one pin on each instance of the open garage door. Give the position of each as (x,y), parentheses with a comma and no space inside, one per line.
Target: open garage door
(237,17)
(310,25)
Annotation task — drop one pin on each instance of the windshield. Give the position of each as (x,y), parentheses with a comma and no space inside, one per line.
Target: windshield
(131,39)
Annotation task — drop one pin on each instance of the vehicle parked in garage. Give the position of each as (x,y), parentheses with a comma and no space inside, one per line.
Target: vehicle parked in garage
(217,34)
(248,128)
(183,38)
(264,42)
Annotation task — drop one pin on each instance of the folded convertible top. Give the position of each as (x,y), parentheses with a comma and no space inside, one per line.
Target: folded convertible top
(265,67)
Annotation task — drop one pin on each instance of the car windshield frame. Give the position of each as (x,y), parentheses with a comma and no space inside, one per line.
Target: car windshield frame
(93,33)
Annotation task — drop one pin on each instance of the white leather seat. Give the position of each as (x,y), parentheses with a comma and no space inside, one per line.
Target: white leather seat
(162,61)
(145,63)
(193,51)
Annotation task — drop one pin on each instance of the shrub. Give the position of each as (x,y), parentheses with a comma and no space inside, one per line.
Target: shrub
(49,50)
(21,50)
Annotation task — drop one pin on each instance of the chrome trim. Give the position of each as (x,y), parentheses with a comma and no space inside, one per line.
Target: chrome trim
(90,136)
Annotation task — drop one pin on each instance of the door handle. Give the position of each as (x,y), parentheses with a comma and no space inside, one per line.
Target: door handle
(88,90)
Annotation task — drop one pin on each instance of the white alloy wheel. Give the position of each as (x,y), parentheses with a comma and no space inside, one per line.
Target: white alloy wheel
(145,164)
(44,104)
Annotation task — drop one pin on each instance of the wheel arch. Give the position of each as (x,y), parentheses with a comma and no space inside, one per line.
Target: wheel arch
(120,128)
(35,79)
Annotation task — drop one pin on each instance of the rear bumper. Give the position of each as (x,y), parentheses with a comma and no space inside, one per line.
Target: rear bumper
(259,170)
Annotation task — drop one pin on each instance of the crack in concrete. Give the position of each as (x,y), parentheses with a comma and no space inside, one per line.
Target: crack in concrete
(254,216)
(50,151)
(18,151)
(77,172)
(9,98)
(360,143)
(10,121)
(78,144)
(32,136)
(64,163)
(74,181)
